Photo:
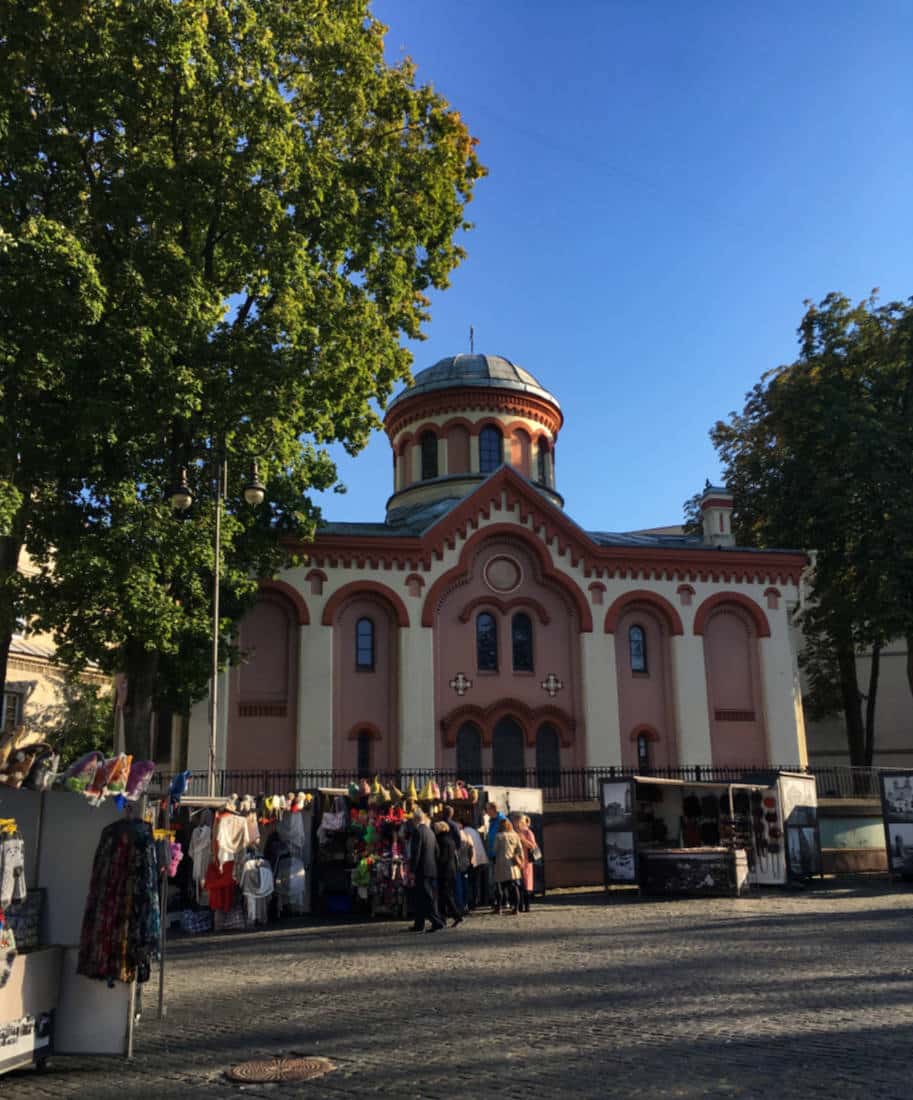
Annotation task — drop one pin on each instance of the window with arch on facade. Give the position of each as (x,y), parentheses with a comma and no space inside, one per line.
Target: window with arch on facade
(491,450)
(637,648)
(542,462)
(428,444)
(521,636)
(644,753)
(363,761)
(486,643)
(364,645)
(469,753)
(548,756)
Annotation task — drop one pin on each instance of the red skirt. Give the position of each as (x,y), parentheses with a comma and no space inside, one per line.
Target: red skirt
(220,885)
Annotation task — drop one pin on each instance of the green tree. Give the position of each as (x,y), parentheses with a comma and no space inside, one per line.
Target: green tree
(250,207)
(820,458)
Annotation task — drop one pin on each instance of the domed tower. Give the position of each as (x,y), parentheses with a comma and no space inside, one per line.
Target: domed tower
(460,421)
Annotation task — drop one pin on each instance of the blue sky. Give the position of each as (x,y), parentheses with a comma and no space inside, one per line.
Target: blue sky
(668,182)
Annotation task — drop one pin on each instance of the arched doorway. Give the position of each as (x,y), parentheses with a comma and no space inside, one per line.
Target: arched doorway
(469,753)
(507,756)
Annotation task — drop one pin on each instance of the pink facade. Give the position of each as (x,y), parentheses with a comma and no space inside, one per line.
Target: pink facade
(734,687)
(365,684)
(263,694)
(532,633)
(645,704)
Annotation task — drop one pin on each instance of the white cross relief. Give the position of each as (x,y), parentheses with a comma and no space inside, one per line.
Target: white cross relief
(552,684)
(460,684)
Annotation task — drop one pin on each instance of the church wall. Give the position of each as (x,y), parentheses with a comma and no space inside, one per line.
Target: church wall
(418,692)
(734,689)
(646,705)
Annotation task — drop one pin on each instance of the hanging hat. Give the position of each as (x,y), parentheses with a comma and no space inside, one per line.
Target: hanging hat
(411,792)
(425,795)
(435,789)
(396,795)
(375,786)
(353,790)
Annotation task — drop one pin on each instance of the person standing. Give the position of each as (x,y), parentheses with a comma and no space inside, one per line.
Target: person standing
(448,905)
(456,833)
(528,840)
(494,819)
(478,867)
(423,864)
(508,860)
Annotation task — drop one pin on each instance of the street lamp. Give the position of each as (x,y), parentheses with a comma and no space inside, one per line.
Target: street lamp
(181,499)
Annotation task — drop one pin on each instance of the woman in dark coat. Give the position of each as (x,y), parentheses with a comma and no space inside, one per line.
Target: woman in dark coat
(447,871)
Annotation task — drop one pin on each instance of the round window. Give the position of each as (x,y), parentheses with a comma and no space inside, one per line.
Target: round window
(503,574)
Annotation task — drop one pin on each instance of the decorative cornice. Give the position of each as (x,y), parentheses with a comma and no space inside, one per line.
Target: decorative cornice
(506,491)
(411,410)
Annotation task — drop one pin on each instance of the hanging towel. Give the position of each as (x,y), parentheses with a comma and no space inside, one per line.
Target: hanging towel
(12,871)
(199,853)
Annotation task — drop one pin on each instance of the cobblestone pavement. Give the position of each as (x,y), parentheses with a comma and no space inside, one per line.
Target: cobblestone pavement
(796,995)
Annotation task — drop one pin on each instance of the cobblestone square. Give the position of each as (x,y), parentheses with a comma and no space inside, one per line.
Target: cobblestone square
(801,994)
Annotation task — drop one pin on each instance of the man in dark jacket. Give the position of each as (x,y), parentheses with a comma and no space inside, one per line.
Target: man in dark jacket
(423,864)
(447,871)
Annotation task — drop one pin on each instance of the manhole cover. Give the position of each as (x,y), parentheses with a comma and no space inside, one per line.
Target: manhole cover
(262,1070)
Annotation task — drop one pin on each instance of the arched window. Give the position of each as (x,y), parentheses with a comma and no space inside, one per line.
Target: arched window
(363,764)
(507,762)
(542,462)
(644,763)
(486,643)
(521,636)
(364,644)
(637,649)
(469,753)
(548,756)
(429,455)
(491,450)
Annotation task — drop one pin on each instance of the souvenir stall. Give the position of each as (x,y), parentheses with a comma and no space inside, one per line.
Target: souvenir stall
(360,862)
(668,836)
(897,814)
(79,922)
(247,861)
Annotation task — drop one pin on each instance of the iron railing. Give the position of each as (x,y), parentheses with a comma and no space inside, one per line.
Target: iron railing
(564,785)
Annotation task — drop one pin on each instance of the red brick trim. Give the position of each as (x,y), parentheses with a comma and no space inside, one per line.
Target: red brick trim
(653,600)
(505,606)
(511,530)
(650,732)
(356,588)
(364,727)
(282,588)
(721,599)
(528,718)
(467,399)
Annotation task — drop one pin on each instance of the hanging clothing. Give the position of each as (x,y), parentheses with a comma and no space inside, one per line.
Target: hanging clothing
(291,833)
(220,885)
(120,927)
(200,855)
(12,871)
(230,837)
(257,888)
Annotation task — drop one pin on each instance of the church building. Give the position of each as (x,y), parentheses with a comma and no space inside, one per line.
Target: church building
(479,627)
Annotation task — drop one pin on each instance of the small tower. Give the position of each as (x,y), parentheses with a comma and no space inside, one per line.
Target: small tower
(716,513)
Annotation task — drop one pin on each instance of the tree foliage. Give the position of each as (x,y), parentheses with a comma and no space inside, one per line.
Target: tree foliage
(218,221)
(820,458)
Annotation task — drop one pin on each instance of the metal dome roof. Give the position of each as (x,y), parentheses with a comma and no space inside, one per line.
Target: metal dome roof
(478,371)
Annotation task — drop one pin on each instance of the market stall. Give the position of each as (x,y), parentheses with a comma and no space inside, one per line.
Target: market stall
(51,998)
(670,836)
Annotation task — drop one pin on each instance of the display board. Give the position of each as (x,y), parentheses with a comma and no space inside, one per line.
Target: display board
(897,811)
(619,847)
(799,810)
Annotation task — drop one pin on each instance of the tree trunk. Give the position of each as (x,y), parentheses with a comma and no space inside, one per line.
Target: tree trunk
(10,547)
(141,669)
(852,702)
(870,705)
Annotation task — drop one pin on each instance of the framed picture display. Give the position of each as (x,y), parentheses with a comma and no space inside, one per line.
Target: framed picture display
(616,811)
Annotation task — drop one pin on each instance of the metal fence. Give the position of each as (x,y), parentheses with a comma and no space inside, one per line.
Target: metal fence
(565,785)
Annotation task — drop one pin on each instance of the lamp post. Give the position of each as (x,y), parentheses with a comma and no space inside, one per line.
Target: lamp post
(181,501)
